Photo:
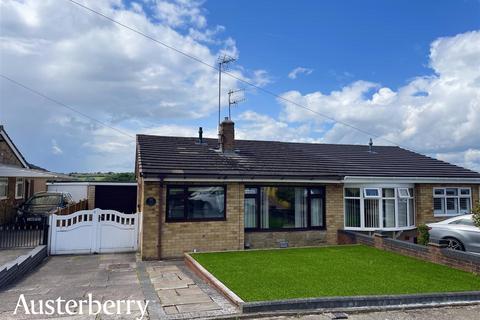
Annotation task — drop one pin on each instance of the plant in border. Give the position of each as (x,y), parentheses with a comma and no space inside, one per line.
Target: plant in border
(476,214)
(423,235)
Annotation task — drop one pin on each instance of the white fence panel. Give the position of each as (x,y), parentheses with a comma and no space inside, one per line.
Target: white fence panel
(94,231)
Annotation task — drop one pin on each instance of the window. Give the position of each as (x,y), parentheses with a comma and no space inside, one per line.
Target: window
(371,192)
(403,193)
(451,201)
(193,203)
(379,208)
(284,207)
(3,188)
(19,188)
(352,207)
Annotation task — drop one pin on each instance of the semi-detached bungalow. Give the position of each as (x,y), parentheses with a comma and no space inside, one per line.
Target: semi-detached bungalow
(206,194)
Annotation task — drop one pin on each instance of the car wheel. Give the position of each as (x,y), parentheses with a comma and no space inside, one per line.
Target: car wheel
(455,244)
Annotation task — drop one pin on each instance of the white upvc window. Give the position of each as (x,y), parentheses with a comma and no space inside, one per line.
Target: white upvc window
(3,188)
(19,188)
(371,192)
(451,201)
(404,193)
(371,208)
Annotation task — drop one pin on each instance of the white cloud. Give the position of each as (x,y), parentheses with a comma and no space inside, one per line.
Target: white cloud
(299,70)
(436,114)
(107,72)
(56,150)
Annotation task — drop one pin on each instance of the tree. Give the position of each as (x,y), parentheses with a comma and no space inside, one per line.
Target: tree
(476,214)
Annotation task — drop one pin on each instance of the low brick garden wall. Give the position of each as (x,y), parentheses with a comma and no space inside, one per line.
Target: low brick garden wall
(19,267)
(435,252)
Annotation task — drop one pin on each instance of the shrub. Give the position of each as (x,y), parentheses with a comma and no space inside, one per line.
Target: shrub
(476,214)
(423,235)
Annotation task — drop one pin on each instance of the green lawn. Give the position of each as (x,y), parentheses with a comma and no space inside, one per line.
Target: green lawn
(258,275)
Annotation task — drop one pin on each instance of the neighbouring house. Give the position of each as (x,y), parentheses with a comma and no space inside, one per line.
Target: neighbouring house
(18,179)
(206,194)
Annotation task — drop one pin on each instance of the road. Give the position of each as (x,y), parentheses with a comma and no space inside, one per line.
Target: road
(471,312)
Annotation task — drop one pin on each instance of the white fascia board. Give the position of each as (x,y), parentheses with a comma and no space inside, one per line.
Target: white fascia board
(15,150)
(242,180)
(355,179)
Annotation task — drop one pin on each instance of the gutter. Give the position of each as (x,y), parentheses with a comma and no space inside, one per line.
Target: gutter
(360,179)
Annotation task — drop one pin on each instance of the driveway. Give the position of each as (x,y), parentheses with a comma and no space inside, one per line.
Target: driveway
(172,291)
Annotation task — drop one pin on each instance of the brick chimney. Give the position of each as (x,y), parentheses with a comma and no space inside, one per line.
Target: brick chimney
(226,136)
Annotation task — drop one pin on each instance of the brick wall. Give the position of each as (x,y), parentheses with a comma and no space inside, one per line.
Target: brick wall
(434,252)
(424,200)
(334,210)
(150,233)
(161,239)
(7,156)
(91,197)
(270,239)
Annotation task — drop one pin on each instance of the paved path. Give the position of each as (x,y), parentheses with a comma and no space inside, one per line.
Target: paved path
(182,295)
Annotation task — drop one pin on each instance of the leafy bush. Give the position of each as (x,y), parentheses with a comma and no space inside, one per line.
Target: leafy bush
(476,214)
(423,235)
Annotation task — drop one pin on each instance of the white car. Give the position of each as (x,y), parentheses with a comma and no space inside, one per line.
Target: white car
(460,232)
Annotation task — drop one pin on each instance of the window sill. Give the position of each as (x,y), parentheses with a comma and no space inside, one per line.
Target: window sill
(381,229)
(195,220)
(3,198)
(286,229)
(18,198)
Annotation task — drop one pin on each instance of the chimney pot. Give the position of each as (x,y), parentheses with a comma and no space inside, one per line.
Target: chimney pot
(200,135)
(226,135)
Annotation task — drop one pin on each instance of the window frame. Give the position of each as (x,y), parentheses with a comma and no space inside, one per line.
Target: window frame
(410,224)
(444,196)
(4,180)
(322,195)
(185,203)
(17,182)
(379,193)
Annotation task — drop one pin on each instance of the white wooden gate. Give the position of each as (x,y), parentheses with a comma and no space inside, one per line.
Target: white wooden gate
(94,231)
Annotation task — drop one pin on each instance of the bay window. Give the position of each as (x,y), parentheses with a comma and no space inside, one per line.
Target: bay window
(374,208)
(451,201)
(195,203)
(284,207)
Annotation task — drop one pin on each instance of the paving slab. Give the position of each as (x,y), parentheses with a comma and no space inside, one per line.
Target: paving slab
(182,295)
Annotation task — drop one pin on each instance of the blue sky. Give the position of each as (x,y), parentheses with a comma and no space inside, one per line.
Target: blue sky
(405,71)
(387,42)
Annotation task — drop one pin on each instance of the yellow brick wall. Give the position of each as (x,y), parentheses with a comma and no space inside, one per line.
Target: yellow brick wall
(91,197)
(334,210)
(424,200)
(175,238)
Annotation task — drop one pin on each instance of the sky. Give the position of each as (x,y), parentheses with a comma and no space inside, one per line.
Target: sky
(402,72)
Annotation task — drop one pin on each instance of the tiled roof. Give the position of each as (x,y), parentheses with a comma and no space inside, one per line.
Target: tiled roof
(179,156)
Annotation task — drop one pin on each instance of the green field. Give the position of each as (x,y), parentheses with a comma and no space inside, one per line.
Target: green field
(259,275)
